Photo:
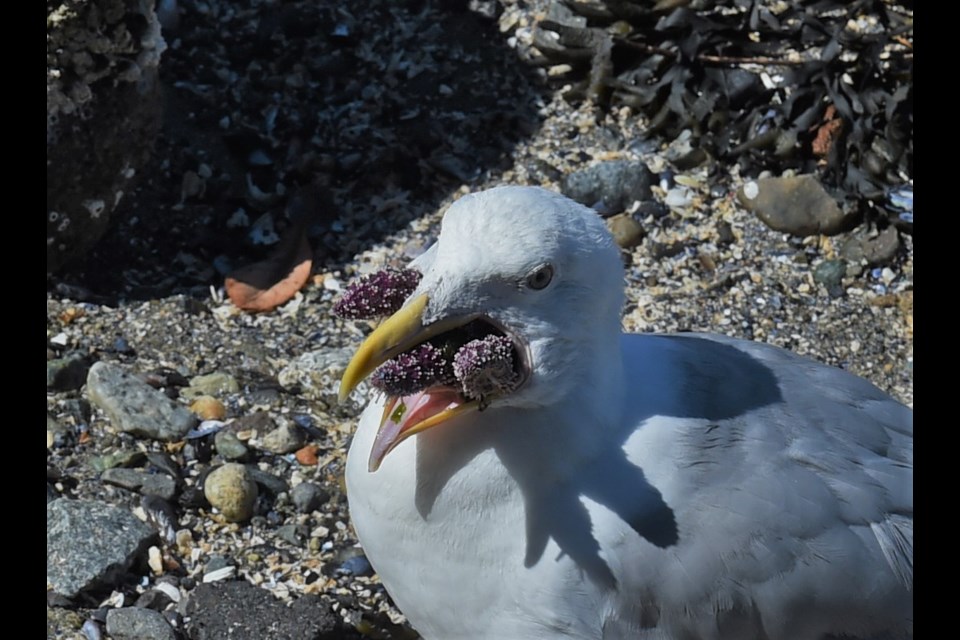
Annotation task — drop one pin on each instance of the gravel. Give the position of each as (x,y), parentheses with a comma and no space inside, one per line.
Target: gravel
(383,115)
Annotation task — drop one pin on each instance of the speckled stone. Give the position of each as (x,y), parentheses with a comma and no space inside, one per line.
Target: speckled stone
(231,489)
(134,406)
(91,543)
(286,438)
(871,248)
(241,611)
(609,187)
(136,623)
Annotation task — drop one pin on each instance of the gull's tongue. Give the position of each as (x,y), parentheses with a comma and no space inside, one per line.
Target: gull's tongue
(405,412)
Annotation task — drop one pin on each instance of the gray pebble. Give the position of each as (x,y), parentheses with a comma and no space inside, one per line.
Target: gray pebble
(609,187)
(294,534)
(160,485)
(135,623)
(134,406)
(286,438)
(868,247)
(308,497)
(829,273)
(131,479)
(356,565)
(153,599)
(65,374)
(215,563)
(229,446)
(91,543)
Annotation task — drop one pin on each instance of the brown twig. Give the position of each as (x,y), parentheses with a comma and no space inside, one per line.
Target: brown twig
(904,42)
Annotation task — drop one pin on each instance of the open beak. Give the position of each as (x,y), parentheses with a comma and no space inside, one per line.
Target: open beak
(407,415)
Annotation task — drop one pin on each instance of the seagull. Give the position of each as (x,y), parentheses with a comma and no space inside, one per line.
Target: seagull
(641,486)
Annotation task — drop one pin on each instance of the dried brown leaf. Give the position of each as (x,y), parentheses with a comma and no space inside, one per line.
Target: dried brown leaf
(265,285)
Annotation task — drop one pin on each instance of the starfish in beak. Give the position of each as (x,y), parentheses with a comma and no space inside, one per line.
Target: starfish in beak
(480,357)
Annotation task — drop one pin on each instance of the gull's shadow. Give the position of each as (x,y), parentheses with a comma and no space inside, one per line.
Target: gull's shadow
(709,382)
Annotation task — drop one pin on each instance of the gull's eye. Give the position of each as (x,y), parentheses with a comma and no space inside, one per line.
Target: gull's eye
(540,277)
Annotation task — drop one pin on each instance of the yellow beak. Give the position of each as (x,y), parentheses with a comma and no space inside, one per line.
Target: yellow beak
(398,333)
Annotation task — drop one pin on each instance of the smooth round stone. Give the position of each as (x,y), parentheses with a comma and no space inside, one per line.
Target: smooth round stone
(231,489)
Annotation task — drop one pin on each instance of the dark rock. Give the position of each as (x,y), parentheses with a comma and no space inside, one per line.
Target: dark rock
(59,435)
(51,494)
(153,599)
(829,273)
(294,534)
(651,208)
(135,623)
(356,566)
(692,159)
(241,611)
(162,486)
(103,103)
(308,497)
(348,561)
(797,205)
(91,543)
(725,233)
(65,374)
(667,250)
(267,480)
(215,563)
(134,406)
(261,422)
(161,515)
(131,479)
(193,498)
(165,463)
(609,187)
(871,248)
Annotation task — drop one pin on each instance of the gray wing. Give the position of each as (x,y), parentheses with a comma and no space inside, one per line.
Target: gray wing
(793,490)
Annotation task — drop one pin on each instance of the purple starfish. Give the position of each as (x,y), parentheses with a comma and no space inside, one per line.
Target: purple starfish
(412,371)
(485,366)
(377,294)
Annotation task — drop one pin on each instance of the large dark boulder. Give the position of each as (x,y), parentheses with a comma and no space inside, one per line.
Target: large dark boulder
(103,113)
